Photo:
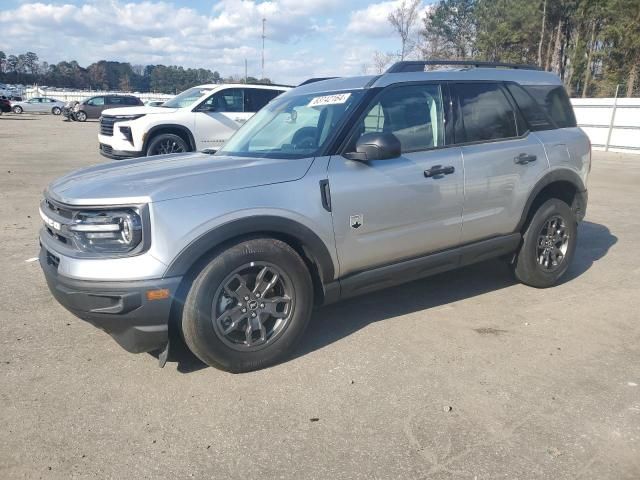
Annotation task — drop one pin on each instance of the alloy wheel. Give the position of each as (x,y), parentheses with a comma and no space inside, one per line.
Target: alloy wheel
(252,306)
(553,242)
(168,146)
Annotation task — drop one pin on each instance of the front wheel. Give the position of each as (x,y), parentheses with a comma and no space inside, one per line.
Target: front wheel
(17,109)
(56,110)
(81,116)
(166,143)
(249,306)
(548,245)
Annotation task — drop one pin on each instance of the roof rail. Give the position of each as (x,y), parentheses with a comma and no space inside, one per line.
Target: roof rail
(314,80)
(420,65)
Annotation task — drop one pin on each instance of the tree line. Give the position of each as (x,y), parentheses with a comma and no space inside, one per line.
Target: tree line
(593,45)
(27,69)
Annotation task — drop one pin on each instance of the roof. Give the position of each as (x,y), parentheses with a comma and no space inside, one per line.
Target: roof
(521,76)
(243,85)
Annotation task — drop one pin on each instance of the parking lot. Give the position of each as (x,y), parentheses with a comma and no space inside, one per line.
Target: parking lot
(464,375)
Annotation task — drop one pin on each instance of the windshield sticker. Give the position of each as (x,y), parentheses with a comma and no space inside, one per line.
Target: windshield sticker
(336,99)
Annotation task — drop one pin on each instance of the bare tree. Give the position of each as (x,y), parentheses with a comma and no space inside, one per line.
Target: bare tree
(403,19)
(381,61)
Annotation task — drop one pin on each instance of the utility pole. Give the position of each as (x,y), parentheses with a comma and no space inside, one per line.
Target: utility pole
(245,70)
(264,20)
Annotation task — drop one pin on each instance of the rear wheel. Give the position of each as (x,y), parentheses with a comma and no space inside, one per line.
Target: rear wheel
(249,306)
(17,109)
(81,116)
(166,143)
(548,246)
(56,110)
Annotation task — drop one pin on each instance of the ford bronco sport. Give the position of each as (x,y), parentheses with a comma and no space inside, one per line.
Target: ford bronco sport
(336,188)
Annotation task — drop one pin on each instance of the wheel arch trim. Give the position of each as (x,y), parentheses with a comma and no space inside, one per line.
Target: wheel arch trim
(557,175)
(311,243)
(168,126)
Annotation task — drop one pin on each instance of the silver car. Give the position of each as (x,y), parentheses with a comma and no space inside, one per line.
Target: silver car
(335,188)
(39,105)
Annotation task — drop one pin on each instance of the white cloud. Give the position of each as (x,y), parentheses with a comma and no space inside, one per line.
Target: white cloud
(160,32)
(373,21)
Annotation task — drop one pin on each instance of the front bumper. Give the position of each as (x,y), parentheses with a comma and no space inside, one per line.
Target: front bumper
(109,152)
(119,308)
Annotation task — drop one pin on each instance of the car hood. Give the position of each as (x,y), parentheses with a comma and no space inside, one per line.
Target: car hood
(141,110)
(166,177)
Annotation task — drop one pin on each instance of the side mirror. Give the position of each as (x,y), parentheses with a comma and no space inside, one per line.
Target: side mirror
(376,146)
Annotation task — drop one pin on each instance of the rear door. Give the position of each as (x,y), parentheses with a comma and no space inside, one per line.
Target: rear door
(389,210)
(502,159)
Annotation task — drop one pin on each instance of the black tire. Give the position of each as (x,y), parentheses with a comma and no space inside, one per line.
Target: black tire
(56,111)
(202,332)
(167,143)
(81,116)
(17,109)
(533,266)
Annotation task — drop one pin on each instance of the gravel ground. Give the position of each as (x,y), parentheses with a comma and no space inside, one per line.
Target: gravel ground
(464,375)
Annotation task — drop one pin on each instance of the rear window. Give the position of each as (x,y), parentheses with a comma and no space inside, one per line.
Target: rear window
(255,99)
(487,114)
(554,99)
(533,113)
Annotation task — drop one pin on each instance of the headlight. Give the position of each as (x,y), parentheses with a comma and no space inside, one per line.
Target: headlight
(107,231)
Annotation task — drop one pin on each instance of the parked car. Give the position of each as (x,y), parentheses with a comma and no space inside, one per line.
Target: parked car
(92,108)
(40,105)
(334,189)
(202,117)
(68,110)
(5,105)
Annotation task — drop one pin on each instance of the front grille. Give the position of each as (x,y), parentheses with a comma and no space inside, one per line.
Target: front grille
(106,125)
(60,210)
(61,216)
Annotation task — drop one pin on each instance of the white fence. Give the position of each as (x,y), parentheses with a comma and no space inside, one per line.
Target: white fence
(71,95)
(611,124)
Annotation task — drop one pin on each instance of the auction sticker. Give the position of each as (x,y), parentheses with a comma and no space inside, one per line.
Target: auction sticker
(336,99)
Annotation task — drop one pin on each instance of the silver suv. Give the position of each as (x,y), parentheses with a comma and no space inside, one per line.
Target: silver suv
(335,188)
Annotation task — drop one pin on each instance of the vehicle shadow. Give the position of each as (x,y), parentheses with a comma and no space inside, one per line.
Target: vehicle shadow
(22,119)
(334,322)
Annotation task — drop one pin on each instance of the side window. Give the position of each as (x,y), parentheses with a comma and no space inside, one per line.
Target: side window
(255,99)
(413,113)
(533,113)
(486,113)
(131,101)
(554,99)
(230,100)
(114,101)
(96,101)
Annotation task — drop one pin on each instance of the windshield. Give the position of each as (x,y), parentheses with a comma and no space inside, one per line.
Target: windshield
(292,126)
(186,98)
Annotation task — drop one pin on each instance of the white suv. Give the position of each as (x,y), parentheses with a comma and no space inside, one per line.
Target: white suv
(200,118)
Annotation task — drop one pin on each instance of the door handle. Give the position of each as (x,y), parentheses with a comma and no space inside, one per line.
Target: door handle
(524,158)
(438,170)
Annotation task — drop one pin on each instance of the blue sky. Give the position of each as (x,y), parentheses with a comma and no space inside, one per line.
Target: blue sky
(305,38)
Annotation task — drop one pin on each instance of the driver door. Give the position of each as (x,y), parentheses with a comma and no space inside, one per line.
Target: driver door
(33,105)
(218,117)
(385,211)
